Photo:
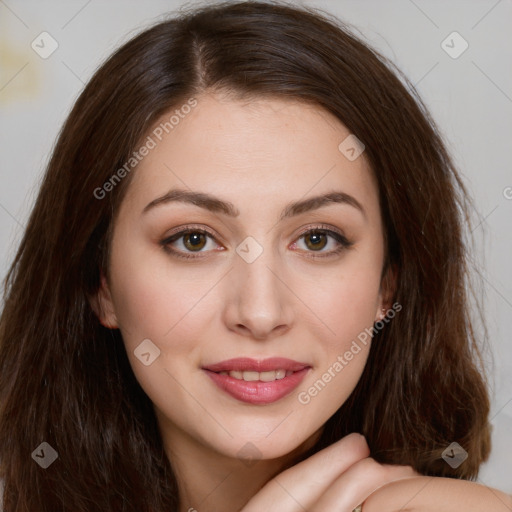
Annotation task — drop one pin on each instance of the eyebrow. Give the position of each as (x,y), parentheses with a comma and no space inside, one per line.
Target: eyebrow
(214,204)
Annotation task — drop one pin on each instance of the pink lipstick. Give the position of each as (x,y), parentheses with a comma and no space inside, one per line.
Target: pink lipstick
(257,381)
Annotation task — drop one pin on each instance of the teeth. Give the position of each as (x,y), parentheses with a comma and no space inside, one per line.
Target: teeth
(250,376)
(262,376)
(270,376)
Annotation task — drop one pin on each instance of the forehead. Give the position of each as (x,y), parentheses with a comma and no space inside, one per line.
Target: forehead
(268,150)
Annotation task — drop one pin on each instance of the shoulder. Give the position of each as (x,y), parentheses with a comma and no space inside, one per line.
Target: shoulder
(444,495)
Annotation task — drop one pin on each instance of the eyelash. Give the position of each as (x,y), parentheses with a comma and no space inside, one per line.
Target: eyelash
(341,239)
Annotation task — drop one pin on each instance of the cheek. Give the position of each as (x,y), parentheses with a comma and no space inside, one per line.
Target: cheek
(156,307)
(144,306)
(345,304)
(347,312)
(344,300)
(152,298)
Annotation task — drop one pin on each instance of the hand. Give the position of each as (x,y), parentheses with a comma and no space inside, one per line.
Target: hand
(337,478)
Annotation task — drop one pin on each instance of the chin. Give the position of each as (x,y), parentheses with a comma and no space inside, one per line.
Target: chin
(252,444)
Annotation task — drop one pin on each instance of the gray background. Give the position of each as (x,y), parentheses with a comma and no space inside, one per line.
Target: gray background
(469,96)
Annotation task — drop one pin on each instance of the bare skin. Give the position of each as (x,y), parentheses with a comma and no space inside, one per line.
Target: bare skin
(302,298)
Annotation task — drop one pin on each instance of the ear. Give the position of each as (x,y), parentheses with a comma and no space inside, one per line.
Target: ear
(103,306)
(387,291)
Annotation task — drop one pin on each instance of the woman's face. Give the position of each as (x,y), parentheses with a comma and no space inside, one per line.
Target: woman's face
(253,287)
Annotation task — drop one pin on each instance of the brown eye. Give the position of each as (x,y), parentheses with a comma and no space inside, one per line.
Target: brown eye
(189,241)
(322,243)
(317,240)
(194,241)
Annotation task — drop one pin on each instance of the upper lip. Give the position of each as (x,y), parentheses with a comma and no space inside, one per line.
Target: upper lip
(246,364)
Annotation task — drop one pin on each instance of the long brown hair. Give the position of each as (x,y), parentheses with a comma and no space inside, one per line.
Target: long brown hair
(66,380)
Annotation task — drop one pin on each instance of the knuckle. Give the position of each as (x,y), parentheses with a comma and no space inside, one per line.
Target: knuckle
(370,469)
(357,442)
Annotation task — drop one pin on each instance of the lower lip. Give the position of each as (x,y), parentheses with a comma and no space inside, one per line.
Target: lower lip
(258,392)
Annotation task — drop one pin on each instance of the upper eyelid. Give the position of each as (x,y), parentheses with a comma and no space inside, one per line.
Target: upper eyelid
(187,229)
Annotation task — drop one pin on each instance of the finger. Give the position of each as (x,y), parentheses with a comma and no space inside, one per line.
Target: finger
(300,486)
(357,483)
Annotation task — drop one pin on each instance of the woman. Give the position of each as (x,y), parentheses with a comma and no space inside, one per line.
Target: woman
(326,299)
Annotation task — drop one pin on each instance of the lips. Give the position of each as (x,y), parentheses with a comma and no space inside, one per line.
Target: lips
(257,382)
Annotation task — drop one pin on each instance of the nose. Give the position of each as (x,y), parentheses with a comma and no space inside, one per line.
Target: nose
(260,302)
